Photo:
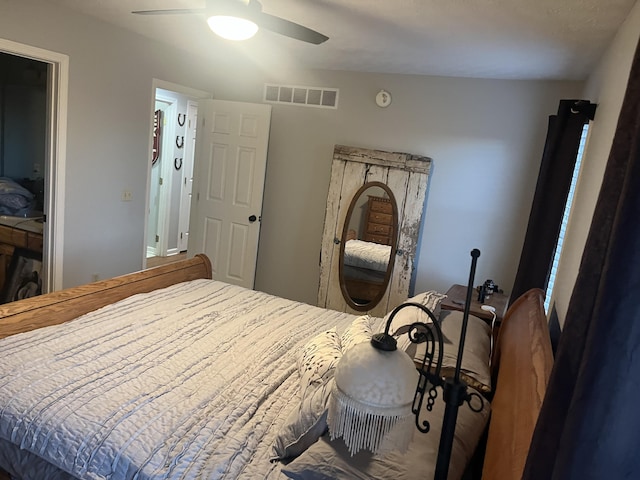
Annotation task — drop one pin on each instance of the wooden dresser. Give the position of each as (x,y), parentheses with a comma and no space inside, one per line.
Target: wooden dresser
(10,239)
(379,221)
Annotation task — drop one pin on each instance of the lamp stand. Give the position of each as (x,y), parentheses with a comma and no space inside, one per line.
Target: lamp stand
(396,372)
(454,389)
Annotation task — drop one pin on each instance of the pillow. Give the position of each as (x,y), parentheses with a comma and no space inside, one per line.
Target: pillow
(409,315)
(305,425)
(308,422)
(360,330)
(331,460)
(319,358)
(477,352)
(327,459)
(475,370)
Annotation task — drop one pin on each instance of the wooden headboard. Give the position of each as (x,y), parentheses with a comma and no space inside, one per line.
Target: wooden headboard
(522,359)
(59,307)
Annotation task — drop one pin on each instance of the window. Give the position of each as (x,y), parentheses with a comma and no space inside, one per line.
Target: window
(565,217)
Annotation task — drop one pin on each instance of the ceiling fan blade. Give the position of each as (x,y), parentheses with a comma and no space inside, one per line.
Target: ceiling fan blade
(289,29)
(251,11)
(175,11)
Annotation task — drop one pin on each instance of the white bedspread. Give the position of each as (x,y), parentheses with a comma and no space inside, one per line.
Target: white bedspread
(374,256)
(188,382)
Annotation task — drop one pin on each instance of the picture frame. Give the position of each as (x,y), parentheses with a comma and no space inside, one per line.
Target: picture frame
(24,277)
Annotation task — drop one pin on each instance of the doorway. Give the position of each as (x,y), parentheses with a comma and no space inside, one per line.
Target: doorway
(34,98)
(229,183)
(223,223)
(170,178)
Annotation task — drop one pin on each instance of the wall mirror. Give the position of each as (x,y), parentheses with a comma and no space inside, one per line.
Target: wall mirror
(353,171)
(368,245)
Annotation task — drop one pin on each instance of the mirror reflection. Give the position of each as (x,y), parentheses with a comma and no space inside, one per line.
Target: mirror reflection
(368,245)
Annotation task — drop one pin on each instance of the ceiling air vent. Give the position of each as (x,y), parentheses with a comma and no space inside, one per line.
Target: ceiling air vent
(305,96)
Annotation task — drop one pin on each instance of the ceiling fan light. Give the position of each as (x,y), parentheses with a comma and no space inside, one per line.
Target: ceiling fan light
(232,28)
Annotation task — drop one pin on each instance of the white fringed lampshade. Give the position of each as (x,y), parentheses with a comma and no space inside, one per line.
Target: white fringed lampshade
(370,404)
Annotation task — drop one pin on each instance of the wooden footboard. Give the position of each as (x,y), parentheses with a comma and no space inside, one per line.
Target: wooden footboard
(523,361)
(64,305)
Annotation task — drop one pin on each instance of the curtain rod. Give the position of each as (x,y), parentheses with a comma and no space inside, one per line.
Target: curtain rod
(585,107)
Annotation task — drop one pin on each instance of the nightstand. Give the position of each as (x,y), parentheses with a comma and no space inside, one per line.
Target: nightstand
(457,294)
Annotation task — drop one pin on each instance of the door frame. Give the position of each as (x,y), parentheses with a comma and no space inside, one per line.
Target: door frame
(194,94)
(56,155)
(186,188)
(164,194)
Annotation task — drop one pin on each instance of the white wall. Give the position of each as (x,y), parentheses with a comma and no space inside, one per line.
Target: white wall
(606,87)
(485,137)
(109,125)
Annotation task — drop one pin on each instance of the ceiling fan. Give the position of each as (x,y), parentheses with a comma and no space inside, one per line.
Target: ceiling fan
(225,17)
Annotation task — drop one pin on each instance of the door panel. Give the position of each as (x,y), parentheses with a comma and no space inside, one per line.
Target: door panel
(229,184)
(211,241)
(238,240)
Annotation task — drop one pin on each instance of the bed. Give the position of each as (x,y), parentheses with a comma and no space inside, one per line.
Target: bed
(169,374)
(364,267)
(15,200)
(367,255)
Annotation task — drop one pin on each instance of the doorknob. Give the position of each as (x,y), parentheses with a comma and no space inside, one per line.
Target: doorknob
(253,218)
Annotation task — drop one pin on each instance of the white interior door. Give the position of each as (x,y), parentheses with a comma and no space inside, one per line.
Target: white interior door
(229,172)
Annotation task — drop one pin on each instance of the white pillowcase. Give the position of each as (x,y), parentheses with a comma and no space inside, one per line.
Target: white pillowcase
(475,368)
(316,366)
(360,330)
(319,358)
(475,361)
(409,315)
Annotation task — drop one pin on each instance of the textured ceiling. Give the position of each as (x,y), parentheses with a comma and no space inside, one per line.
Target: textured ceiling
(518,39)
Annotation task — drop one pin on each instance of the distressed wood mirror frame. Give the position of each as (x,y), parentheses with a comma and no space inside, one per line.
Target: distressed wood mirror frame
(407,176)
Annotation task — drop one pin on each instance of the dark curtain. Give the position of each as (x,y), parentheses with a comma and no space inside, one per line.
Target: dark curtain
(589,425)
(552,189)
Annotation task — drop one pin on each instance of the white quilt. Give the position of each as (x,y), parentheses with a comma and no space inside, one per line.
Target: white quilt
(374,256)
(192,381)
